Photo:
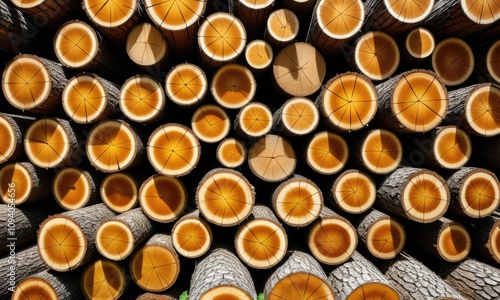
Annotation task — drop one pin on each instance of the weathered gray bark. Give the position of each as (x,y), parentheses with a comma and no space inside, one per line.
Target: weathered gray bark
(152,296)
(66,286)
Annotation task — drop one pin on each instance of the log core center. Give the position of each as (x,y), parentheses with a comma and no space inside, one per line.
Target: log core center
(46,143)
(34,288)
(110,13)
(340,19)
(17,174)
(76,44)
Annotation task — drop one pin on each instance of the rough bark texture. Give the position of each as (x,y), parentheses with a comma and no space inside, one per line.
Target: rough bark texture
(254,19)
(152,296)
(482,240)
(40,184)
(16,31)
(161,240)
(53,12)
(138,223)
(66,286)
(379,18)
(74,156)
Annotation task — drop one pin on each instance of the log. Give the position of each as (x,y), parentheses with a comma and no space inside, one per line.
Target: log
(252,14)
(210,123)
(74,188)
(353,191)
(225,197)
(22,182)
(419,45)
(49,284)
(331,239)
(414,101)
(233,86)
(153,296)
(51,13)
(192,235)
(155,267)
(261,241)
(298,276)
(12,129)
(173,149)
(376,55)
(147,47)
(259,56)
(186,84)
(301,8)
(103,279)
(453,61)
(253,120)
(282,28)
(17,30)
(298,116)
(485,55)
(163,198)
(358,278)
(66,241)
(327,153)
(231,153)
(116,238)
(475,192)
(417,194)
(220,275)
(297,201)
(383,235)
(142,99)
(378,151)
(119,191)
(492,59)
(485,235)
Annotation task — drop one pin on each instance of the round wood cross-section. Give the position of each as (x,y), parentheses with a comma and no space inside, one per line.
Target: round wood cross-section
(163,198)
(72,188)
(482,110)
(494,241)
(354,191)
(301,286)
(176,15)
(9,137)
(210,123)
(76,44)
(452,147)
(103,280)
(327,153)
(119,192)
(110,14)
(412,11)
(282,27)
(481,12)
(377,55)
(191,237)
(299,69)
(373,291)
(34,288)
(259,55)
(173,150)
(299,116)
(493,61)
(453,61)
(186,84)
(114,239)
(454,242)
(272,158)
(420,43)
(479,194)
(340,19)
(233,86)
(231,153)
(146,46)
(15,183)
(255,119)
(142,99)
(225,197)
(385,238)
(381,151)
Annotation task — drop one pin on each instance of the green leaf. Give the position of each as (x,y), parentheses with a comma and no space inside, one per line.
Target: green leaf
(185,296)
(260,296)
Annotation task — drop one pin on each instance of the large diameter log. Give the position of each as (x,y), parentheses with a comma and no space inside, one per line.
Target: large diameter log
(299,276)
(453,61)
(225,197)
(419,44)
(327,153)
(210,123)
(48,12)
(192,235)
(259,56)
(116,238)
(12,129)
(298,116)
(231,153)
(233,86)
(414,101)
(119,191)
(49,285)
(332,239)
(156,266)
(221,275)
(252,14)
(353,191)
(282,28)
(147,47)
(103,280)
(142,99)
(74,188)
(186,84)
(261,242)
(254,120)
(22,182)
(417,194)
(485,238)
(67,241)
(376,55)
(358,278)
(379,151)
(16,29)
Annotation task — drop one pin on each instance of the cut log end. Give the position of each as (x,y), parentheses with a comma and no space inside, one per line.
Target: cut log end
(84,98)
(175,16)
(481,12)
(385,238)
(173,150)
(71,188)
(191,237)
(381,151)
(114,240)
(110,14)
(282,27)
(231,153)
(146,46)
(255,119)
(453,61)
(103,280)
(409,11)
(163,198)
(225,292)
(354,191)
(300,116)
(492,61)
(373,291)
(494,242)
(142,99)
(479,194)
(76,44)
(9,138)
(481,110)
(452,147)
(186,84)
(233,86)
(259,54)
(377,55)
(34,288)
(27,4)
(420,43)
(327,153)
(119,192)
(272,158)
(210,123)
(454,242)
(16,181)
(340,20)
(311,287)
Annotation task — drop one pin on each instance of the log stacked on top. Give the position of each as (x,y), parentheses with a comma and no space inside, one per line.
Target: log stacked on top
(302,149)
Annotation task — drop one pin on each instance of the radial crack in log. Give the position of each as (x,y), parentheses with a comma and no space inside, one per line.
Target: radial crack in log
(254,120)
(259,55)
(453,61)
(119,191)
(192,235)
(142,99)
(231,153)
(327,153)
(186,84)
(233,86)
(298,116)
(380,151)
(74,188)
(147,47)
(376,55)
(354,191)
(22,182)
(282,28)
(210,123)
(103,280)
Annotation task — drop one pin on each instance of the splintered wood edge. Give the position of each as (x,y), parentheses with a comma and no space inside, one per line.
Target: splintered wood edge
(452,143)
(186,84)
(259,54)
(228,292)
(385,238)
(192,237)
(282,25)
(480,12)
(412,11)
(84,98)
(175,16)
(111,14)
(300,116)
(274,154)
(71,181)
(146,45)
(23,186)
(77,49)
(318,155)
(482,106)
(377,290)
(420,42)
(126,193)
(394,154)
(103,279)
(231,153)
(9,138)
(210,123)
(453,70)
(454,242)
(479,194)
(233,86)
(494,241)
(287,287)
(493,61)
(389,56)
(142,99)
(340,20)
(34,287)
(349,183)
(114,240)
(33,143)
(255,119)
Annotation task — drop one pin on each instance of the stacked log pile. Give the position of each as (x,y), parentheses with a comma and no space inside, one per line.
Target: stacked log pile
(296,149)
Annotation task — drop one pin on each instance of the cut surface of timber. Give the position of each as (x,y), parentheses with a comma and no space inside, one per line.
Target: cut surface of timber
(481,12)
(452,147)
(76,44)
(112,146)
(376,55)
(222,38)
(163,198)
(420,43)
(146,46)
(210,123)
(493,61)
(272,158)
(48,285)
(12,129)
(73,188)
(192,235)
(348,102)
(254,119)
(103,280)
(231,153)
(142,99)
(186,84)
(225,197)
(173,149)
(282,28)
(233,86)
(259,55)
(354,191)
(110,14)
(175,16)
(453,61)
(297,117)
(299,69)
(252,13)
(327,153)
(380,151)
(409,11)
(21,182)
(119,192)
(485,234)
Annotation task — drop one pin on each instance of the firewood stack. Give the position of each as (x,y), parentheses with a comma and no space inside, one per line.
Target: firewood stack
(237,149)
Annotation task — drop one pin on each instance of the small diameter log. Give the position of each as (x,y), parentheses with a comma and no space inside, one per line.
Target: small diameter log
(492,58)
(233,86)
(88,98)
(297,201)
(376,55)
(231,153)
(210,123)
(254,120)
(156,266)
(173,149)
(358,278)
(334,23)
(49,285)
(12,129)
(414,101)
(116,238)
(327,153)
(222,39)
(192,235)
(16,30)
(252,14)
(299,276)
(299,69)
(419,44)
(51,143)
(119,191)
(485,234)
(186,85)
(225,197)
(353,191)
(475,109)
(259,56)
(453,61)
(113,146)
(379,151)
(67,241)
(282,28)
(74,188)
(142,99)
(147,47)
(33,83)
(103,280)
(298,116)
(163,198)
(475,192)
(347,102)
(417,194)
(332,239)
(383,235)
(50,13)
(22,182)
(261,242)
